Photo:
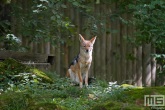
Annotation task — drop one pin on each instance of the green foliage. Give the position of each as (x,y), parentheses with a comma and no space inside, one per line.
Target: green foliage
(24,101)
(61,95)
(50,20)
(13,101)
(113,105)
(11,42)
(47,20)
(48,96)
(148,17)
(4,27)
(14,74)
(160,66)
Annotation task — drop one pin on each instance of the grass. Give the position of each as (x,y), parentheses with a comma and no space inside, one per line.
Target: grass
(59,94)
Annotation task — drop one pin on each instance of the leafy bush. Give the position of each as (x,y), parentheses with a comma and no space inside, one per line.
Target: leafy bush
(12,42)
(13,73)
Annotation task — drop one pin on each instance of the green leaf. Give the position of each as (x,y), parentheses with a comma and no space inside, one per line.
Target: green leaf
(63,6)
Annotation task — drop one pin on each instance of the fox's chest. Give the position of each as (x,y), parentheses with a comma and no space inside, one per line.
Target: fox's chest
(85,66)
(85,63)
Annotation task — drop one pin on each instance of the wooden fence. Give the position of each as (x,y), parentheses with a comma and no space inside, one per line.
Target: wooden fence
(114,57)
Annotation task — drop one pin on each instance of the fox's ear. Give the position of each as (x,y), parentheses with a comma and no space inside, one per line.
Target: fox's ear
(93,40)
(81,38)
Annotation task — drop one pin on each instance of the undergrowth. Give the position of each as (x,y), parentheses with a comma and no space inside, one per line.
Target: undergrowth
(29,92)
(61,95)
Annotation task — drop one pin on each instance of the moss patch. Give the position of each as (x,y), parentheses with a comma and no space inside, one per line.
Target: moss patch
(113,105)
(23,101)
(130,99)
(41,74)
(46,106)
(136,96)
(9,101)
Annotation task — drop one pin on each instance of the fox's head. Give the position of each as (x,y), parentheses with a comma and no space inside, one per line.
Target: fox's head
(86,46)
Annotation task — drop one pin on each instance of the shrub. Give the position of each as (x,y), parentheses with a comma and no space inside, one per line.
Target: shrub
(13,73)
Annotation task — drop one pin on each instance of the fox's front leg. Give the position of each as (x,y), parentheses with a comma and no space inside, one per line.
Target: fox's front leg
(86,74)
(80,79)
(86,79)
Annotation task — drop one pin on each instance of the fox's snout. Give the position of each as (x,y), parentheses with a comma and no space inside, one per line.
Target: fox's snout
(87,50)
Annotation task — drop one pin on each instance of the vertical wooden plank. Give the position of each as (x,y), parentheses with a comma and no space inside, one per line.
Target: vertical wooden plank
(71,51)
(113,46)
(91,34)
(138,81)
(13,19)
(58,59)
(25,41)
(42,46)
(65,58)
(53,52)
(146,64)
(108,48)
(97,72)
(47,48)
(129,53)
(103,43)
(23,37)
(77,21)
(62,60)
(123,28)
(35,47)
(134,62)
(153,66)
(118,50)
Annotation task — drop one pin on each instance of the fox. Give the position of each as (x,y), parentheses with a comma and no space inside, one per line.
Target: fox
(79,67)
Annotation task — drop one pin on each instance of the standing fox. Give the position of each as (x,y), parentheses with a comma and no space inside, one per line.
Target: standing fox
(78,69)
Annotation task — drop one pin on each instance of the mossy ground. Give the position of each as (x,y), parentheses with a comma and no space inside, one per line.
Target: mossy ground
(74,98)
(58,94)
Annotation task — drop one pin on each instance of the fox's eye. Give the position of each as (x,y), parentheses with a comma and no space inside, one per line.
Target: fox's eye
(84,45)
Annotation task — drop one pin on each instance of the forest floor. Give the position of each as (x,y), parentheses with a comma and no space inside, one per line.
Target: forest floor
(36,90)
